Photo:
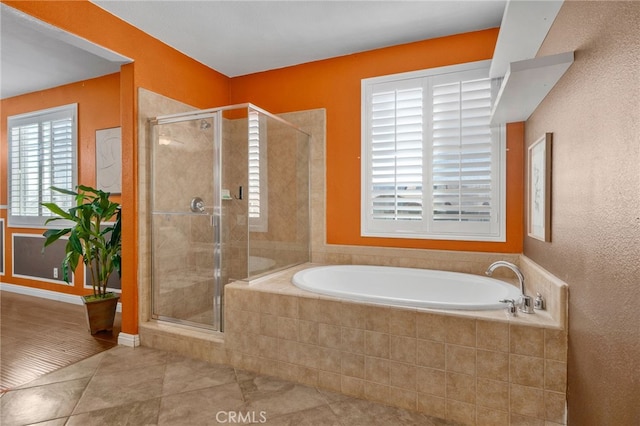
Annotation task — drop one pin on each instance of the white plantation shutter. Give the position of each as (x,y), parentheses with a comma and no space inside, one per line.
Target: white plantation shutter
(462,150)
(254,165)
(257,197)
(396,154)
(431,161)
(42,153)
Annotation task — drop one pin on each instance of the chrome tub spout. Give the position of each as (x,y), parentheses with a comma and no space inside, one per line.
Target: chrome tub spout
(526,302)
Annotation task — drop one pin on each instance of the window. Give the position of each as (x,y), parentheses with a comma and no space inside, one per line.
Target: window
(432,166)
(258,220)
(42,154)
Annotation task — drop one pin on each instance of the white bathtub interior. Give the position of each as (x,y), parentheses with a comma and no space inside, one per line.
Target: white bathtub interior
(412,287)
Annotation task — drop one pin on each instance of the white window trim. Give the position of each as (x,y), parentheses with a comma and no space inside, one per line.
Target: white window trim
(28,118)
(423,229)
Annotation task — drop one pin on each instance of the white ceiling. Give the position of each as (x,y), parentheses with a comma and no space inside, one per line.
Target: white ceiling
(36,56)
(235,37)
(243,37)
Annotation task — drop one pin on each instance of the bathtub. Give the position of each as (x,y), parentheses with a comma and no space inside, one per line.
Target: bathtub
(418,288)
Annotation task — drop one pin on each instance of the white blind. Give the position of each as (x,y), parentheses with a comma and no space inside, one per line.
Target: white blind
(462,151)
(42,153)
(432,164)
(254,164)
(258,195)
(396,154)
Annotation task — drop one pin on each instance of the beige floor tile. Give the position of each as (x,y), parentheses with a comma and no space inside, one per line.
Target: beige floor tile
(119,387)
(40,403)
(125,358)
(355,412)
(189,374)
(208,406)
(126,386)
(138,413)
(55,422)
(276,397)
(317,416)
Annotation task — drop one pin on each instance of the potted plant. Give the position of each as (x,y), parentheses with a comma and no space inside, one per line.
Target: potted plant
(98,245)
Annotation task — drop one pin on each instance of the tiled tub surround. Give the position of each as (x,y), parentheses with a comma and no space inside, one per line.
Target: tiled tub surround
(454,365)
(469,367)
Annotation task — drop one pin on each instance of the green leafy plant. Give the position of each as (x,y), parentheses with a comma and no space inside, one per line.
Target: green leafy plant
(99,246)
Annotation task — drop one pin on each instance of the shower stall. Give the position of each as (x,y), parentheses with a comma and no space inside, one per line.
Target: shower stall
(229,200)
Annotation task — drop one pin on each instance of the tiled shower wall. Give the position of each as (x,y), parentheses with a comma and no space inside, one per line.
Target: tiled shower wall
(286,239)
(286,242)
(234,229)
(149,105)
(183,244)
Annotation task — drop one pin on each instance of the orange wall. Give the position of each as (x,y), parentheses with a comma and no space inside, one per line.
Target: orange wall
(156,67)
(98,102)
(334,84)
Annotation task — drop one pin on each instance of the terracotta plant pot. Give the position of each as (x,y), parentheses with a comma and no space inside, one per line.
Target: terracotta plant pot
(101,313)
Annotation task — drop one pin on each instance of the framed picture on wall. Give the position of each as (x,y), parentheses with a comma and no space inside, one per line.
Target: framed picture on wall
(109,160)
(539,188)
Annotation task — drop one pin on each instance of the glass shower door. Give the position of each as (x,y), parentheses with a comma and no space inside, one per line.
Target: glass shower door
(184,240)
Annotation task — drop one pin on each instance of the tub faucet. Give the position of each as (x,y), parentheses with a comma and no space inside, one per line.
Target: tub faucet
(526,302)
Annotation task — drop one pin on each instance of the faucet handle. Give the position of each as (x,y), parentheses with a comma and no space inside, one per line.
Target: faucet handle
(539,303)
(511,307)
(526,304)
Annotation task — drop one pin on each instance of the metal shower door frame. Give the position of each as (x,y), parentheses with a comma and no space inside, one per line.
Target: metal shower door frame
(216,116)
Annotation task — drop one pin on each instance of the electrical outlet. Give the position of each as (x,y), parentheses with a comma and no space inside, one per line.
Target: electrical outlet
(55,272)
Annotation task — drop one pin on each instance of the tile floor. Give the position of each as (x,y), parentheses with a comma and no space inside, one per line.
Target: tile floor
(143,386)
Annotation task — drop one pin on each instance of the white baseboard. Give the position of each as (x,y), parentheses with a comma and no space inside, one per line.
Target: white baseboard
(130,340)
(46,294)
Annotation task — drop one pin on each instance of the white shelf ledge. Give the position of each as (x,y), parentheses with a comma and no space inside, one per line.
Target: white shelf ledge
(526,84)
(524,26)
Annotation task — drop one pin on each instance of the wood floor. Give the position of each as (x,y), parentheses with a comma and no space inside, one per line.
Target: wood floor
(38,336)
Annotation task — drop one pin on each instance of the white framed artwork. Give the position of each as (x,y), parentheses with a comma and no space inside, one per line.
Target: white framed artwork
(539,188)
(109,160)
